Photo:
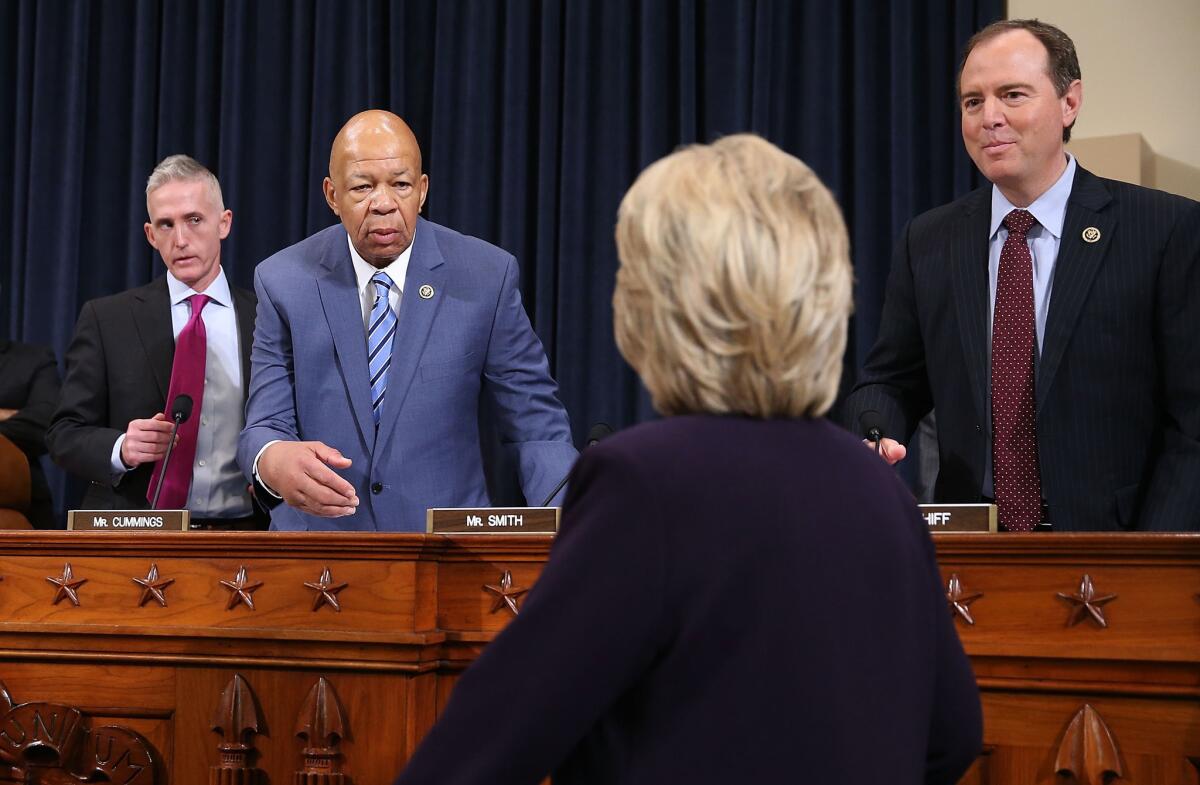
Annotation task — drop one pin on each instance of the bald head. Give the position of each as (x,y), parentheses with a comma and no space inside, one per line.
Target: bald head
(375,184)
(368,131)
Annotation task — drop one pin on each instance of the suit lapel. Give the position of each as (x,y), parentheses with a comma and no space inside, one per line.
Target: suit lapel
(244,306)
(338,289)
(425,269)
(1074,270)
(969,258)
(152,320)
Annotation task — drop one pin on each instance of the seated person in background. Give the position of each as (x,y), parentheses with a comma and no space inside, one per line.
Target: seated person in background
(740,592)
(135,352)
(377,339)
(28,395)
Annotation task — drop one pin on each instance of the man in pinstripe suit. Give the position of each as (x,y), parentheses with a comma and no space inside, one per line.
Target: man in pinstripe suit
(1116,301)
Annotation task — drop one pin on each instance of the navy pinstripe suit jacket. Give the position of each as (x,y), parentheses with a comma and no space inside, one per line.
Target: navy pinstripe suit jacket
(1118,380)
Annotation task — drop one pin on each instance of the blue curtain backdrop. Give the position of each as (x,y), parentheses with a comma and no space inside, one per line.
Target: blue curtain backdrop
(534,118)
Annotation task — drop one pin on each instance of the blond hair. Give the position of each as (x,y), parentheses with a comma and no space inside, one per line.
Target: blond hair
(734,289)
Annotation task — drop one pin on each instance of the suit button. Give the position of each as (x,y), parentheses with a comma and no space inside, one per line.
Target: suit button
(377,487)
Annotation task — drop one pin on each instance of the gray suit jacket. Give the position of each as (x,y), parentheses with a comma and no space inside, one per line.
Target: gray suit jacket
(466,336)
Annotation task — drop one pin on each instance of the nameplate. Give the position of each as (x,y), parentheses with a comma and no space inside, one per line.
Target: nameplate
(128,520)
(492,520)
(959,517)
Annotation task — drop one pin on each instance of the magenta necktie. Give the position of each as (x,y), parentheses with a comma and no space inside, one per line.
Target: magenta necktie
(1015,472)
(187,376)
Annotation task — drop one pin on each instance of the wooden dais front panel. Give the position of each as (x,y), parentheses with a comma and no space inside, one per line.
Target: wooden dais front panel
(322,659)
(1087,652)
(241,657)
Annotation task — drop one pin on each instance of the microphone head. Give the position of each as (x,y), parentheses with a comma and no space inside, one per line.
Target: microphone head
(871,423)
(598,432)
(181,408)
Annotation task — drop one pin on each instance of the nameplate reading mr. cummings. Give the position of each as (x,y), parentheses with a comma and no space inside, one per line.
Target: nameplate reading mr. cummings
(128,520)
(491,520)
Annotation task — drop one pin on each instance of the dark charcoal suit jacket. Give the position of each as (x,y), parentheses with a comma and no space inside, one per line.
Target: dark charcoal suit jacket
(29,383)
(118,370)
(729,601)
(1118,379)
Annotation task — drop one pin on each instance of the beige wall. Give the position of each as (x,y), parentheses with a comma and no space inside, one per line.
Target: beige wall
(1141,74)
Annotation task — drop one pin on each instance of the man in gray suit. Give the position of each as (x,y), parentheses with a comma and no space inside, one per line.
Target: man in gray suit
(1050,319)
(375,341)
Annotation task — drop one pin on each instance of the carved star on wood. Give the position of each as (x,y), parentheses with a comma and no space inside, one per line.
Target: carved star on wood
(153,586)
(959,599)
(240,589)
(67,584)
(326,591)
(1086,603)
(506,593)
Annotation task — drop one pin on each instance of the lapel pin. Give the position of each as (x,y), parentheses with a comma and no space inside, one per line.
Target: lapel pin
(426,291)
(1091,234)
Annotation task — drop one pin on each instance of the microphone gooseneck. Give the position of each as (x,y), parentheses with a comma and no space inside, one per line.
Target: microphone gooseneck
(181,410)
(595,434)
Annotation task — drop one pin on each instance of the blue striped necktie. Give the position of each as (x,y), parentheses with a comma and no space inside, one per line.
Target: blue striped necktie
(379,341)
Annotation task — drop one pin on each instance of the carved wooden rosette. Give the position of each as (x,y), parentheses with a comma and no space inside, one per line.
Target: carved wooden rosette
(236,719)
(322,726)
(50,742)
(1088,751)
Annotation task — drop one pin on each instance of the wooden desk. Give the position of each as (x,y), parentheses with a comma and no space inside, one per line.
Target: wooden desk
(1139,674)
(414,612)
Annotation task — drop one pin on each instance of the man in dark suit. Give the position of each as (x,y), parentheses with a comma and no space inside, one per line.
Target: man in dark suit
(123,368)
(1049,319)
(28,393)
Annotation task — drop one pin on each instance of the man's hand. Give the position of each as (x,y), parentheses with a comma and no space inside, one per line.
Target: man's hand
(300,472)
(146,440)
(890,450)
(6,413)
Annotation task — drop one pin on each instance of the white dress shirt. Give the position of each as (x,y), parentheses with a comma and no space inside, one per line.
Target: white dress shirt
(218,488)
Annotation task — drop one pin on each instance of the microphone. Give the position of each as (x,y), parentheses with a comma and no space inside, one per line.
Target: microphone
(597,432)
(181,410)
(871,422)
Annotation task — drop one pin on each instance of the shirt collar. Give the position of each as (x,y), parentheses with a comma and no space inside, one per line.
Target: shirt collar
(217,291)
(1049,209)
(396,269)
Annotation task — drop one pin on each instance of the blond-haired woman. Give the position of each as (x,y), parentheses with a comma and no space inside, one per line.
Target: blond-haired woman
(740,592)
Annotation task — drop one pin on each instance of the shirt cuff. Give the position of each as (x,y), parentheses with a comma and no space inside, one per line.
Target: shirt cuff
(116,463)
(254,470)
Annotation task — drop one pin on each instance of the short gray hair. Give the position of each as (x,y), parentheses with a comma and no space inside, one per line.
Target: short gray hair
(734,289)
(183,168)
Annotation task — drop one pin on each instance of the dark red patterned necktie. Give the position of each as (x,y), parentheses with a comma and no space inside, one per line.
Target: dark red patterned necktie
(187,376)
(1016,476)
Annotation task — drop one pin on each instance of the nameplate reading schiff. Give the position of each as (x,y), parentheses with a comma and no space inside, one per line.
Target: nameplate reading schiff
(491,520)
(959,517)
(128,520)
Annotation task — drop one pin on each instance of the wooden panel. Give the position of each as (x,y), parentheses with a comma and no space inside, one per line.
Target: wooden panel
(415,614)
(1140,673)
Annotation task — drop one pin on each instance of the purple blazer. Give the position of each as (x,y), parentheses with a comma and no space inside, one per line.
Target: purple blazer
(729,600)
